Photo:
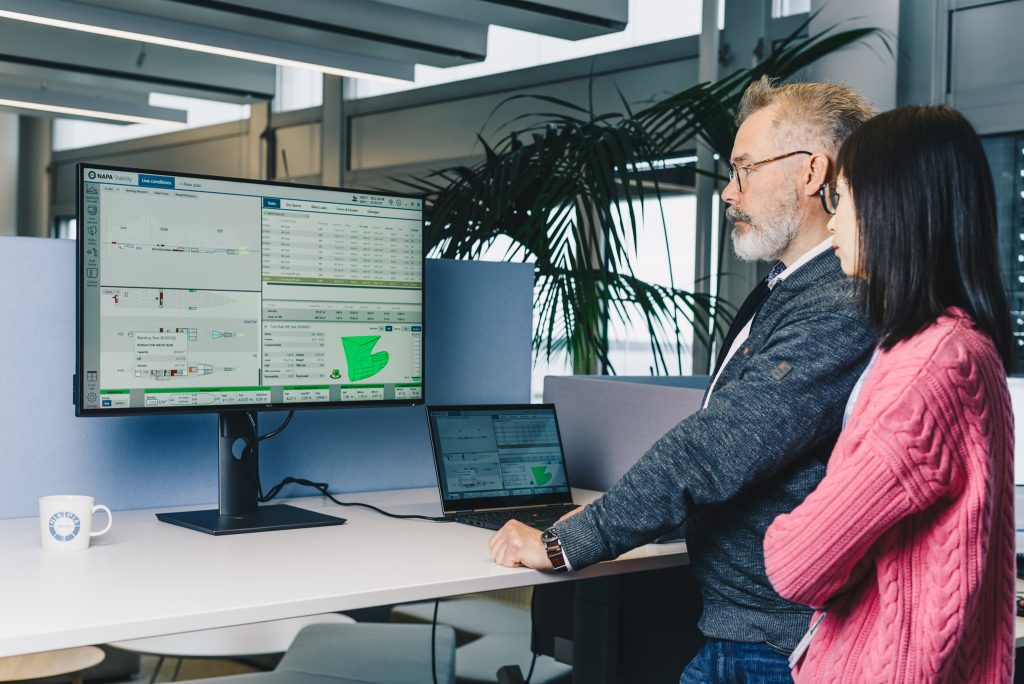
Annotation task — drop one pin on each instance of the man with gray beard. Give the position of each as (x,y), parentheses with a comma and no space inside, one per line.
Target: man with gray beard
(773,410)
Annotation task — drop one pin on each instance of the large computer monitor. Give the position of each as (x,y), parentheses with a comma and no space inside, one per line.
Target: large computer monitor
(204,293)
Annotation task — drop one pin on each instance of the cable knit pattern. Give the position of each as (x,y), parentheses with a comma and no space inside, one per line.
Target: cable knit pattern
(909,538)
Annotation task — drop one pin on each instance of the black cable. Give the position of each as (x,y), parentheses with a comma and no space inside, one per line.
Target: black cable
(532,664)
(533,632)
(272,433)
(321,487)
(433,643)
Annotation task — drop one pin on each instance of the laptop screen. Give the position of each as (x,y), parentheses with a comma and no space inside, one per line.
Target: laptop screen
(498,456)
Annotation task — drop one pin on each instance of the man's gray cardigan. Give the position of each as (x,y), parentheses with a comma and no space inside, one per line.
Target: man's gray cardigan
(757,450)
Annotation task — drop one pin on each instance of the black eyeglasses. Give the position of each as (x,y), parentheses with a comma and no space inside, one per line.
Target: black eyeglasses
(734,171)
(829,197)
(827,191)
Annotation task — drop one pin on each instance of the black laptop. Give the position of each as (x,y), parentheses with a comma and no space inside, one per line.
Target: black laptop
(496,463)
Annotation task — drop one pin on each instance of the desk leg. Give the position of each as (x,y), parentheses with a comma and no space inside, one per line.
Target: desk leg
(595,653)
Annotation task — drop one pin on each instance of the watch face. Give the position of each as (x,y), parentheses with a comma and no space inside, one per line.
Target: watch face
(549,535)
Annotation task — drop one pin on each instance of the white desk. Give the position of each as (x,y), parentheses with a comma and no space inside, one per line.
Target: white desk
(146,578)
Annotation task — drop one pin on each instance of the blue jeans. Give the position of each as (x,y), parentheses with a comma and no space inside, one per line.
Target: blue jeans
(736,662)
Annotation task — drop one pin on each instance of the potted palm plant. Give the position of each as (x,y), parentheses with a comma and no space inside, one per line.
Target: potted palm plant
(564,187)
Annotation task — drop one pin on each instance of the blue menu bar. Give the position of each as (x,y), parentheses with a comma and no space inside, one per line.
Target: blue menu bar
(146,180)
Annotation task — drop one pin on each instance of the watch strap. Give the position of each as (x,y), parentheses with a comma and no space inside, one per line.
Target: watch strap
(553,549)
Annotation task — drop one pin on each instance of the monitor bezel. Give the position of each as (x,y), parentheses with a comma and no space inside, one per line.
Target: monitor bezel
(78,385)
(495,502)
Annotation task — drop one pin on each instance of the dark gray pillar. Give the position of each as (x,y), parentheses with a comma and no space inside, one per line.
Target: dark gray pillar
(334,132)
(35,144)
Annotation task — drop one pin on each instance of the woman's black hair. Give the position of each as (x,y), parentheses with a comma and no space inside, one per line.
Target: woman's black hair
(926,220)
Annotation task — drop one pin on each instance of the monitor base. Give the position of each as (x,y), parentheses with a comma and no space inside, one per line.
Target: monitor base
(265,519)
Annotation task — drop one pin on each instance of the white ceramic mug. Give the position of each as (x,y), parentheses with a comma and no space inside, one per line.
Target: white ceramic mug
(65,522)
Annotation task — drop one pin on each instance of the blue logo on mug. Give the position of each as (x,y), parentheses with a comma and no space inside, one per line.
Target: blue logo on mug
(64,526)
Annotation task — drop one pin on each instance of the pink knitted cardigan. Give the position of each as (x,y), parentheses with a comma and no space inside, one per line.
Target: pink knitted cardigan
(909,539)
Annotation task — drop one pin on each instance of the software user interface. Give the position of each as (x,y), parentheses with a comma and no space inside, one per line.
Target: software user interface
(213,292)
(499,453)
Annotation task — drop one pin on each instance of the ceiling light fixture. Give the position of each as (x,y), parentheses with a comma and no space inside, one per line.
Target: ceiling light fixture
(72,105)
(147,29)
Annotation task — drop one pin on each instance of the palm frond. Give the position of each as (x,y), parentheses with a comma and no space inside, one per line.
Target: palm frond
(565,183)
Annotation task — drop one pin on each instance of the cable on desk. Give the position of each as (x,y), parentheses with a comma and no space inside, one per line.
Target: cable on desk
(321,487)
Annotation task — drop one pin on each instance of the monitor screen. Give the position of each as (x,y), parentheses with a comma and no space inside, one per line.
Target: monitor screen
(206,293)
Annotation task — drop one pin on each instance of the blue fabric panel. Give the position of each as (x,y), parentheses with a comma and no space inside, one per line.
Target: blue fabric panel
(478,323)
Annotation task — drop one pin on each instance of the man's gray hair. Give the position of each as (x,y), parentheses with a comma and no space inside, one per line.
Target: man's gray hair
(831,111)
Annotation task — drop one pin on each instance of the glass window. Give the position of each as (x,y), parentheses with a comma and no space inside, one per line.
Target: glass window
(558,364)
(787,8)
(650,21)
(69,134)
(1006,159)
(66,228)
(665,253)
(298,89)
(661,257)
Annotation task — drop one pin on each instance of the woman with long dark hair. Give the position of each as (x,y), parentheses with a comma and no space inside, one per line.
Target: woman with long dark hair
(906,548)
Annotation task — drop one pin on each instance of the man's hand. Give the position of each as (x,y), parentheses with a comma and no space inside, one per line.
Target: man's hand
(516,545)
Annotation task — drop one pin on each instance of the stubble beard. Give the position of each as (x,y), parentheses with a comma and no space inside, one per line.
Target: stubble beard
(765,239)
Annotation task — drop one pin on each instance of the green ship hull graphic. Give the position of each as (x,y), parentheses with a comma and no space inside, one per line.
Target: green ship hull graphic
(362,362)
(541,475)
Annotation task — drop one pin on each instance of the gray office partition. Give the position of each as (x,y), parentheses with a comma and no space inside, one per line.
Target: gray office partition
(607,423)
(477,327)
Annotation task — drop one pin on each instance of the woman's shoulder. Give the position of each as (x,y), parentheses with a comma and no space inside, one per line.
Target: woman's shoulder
(952,340)
(947,373)
(948,352)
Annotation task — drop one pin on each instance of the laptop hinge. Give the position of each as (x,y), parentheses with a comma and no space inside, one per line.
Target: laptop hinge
(514,508)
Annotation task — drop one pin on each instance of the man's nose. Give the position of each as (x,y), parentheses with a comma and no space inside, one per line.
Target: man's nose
(731,192)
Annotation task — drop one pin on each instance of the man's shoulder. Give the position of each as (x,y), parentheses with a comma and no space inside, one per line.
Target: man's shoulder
(830,294)
(821,287)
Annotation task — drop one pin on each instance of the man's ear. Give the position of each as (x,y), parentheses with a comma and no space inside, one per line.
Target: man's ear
(817,172)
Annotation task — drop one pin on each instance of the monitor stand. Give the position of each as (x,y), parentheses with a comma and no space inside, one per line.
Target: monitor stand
(239,509)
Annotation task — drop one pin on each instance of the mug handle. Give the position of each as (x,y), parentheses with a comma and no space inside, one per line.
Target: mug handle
(110,519)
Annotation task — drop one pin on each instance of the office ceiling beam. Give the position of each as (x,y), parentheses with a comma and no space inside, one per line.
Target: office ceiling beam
(89,81)
(189,36)
(359,26)
(46,79)
(571,19)
(226,49)
(57,55)
(53,103)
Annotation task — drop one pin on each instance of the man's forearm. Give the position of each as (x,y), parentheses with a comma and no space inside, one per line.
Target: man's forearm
(647,502)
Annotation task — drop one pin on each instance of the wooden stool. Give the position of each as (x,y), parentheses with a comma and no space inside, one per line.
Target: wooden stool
(51,664)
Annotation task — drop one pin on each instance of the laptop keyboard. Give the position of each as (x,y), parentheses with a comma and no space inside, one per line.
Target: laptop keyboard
(539,518)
